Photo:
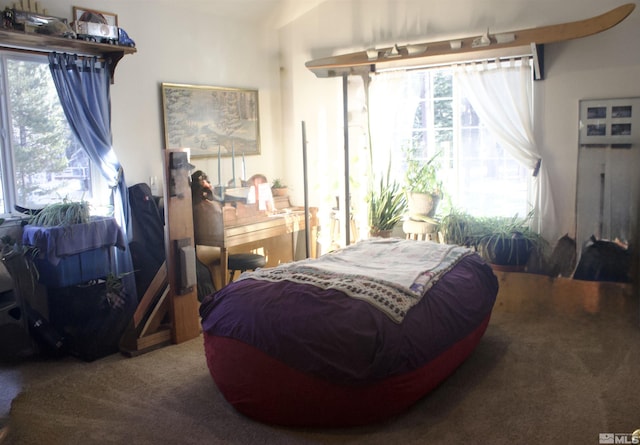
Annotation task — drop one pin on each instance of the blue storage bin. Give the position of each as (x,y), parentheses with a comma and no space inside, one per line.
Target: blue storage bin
(75,269)
(75,254)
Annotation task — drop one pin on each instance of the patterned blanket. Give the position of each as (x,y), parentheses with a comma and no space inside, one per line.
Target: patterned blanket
(390,274)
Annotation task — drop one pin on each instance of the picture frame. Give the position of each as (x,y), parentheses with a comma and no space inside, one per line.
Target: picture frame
(614,122)
(211,121)
(81,14)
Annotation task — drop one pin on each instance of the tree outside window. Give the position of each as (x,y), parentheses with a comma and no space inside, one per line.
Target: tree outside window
(45,161)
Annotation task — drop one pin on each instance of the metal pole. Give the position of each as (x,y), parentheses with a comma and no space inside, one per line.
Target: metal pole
(306,189)
(347,193)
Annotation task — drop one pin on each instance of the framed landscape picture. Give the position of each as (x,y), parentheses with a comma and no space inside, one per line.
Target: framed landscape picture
(210,120)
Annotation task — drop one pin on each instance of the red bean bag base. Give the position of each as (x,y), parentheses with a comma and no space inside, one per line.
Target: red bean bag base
(269,391)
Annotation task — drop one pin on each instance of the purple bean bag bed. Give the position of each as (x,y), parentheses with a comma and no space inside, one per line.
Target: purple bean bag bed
(353,337)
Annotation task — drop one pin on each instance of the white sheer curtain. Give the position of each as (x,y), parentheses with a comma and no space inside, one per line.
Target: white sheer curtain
(501,95)
(358,156)
(392,105)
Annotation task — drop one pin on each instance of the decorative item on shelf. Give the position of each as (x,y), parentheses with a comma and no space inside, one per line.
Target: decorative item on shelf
(483,40)
(372,54)
(505,37)
(8,18)
(95,26)
(87,24)
(124,39)
(416,49)
(31,18)
(278,188)
(51,36)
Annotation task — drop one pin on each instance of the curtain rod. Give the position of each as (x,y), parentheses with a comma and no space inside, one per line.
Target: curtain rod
(47,52)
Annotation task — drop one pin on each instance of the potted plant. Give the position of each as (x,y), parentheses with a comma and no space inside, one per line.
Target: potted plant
(508,242)
(387,204)
(424,189)
(63,213)
(505,242)
(278,188)
(459,227)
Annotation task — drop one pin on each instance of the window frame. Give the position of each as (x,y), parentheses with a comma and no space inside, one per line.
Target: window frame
(454,185)
(98,198)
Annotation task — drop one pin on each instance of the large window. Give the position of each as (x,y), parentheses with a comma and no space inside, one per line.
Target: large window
(41,160)
(478,175)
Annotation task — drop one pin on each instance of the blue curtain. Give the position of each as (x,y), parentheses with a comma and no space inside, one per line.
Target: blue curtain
(83,85)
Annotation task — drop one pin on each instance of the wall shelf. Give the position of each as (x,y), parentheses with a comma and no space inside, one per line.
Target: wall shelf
(467,49)
(41,43)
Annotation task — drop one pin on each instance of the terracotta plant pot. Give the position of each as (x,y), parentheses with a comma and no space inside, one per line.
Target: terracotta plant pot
(422,204)
(380,233)
(281,191)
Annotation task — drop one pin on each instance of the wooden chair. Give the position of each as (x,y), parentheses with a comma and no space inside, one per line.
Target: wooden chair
(241,262)
(237,262)
(208,230)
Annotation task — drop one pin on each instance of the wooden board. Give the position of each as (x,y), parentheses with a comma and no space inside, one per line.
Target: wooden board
(525,38)
(183,303)
(146,331)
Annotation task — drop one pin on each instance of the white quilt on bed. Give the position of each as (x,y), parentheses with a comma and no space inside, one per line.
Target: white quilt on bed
(391,274)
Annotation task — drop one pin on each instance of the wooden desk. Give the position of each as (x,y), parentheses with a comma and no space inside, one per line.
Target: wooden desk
(229,227)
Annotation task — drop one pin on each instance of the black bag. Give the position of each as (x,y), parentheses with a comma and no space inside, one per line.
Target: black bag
(147,236)
(604,261)
(49,341)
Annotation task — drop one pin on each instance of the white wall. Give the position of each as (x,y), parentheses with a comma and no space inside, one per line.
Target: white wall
(606,65)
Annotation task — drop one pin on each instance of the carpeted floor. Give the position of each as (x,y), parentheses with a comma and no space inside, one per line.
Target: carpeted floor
(558,364)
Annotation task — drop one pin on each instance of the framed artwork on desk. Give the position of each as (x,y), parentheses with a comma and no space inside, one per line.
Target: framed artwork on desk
(211,121)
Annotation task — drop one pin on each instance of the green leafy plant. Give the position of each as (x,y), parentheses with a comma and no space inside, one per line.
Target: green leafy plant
(387,204)
(115,292)
(422,176)
(64,213)
(499,240)
(278,188)
(459,227)
(509,240)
